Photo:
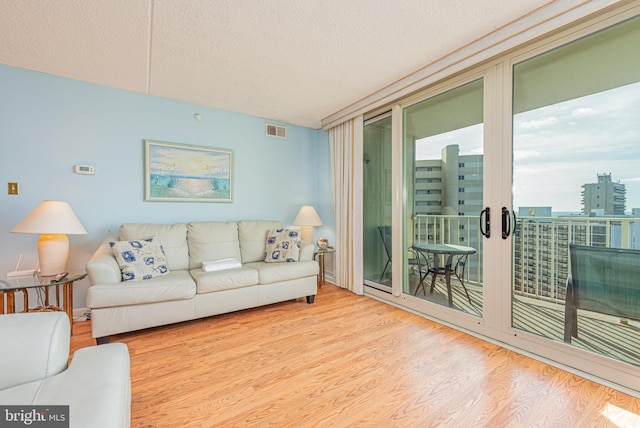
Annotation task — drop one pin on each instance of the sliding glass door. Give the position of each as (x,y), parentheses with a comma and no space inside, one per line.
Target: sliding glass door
(377,237)
(576,187)
(506,188)
(443,161)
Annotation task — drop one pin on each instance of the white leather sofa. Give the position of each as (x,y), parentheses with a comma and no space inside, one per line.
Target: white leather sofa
(33,371)
(188,292)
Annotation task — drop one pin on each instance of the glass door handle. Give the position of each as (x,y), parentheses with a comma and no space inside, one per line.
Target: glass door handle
(487,222)
(506,222)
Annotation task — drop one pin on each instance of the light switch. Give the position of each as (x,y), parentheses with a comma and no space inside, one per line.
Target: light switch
(13,188)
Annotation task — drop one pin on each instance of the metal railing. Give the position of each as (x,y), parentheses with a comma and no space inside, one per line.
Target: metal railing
(540,250)
(452,229)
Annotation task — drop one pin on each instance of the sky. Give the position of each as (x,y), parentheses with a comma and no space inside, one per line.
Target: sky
(560,147)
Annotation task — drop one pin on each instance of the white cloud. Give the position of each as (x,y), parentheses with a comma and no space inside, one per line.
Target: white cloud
(539,123)
(583,112)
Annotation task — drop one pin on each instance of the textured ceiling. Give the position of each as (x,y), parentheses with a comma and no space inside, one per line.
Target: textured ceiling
(296,61)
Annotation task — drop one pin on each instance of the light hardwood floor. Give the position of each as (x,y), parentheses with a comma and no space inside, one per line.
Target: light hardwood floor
(348,361)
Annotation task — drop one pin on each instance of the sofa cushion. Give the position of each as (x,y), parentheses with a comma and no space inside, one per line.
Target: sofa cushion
(172,236)
(174,286)
(253,237)
(212,240)
(140,259)
(207,282)
(283,245)
(268,273)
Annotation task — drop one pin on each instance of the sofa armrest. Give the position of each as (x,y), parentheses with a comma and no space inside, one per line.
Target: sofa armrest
(96,387)
(37,346)
(102,267)
(306,251)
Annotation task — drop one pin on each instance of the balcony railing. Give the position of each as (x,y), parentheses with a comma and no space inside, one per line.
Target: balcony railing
(540,250)
(452,229)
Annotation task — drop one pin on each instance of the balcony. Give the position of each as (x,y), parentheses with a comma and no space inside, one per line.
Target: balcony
(539,266)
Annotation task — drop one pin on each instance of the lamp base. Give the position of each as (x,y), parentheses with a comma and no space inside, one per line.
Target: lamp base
(53,251)
(306,234)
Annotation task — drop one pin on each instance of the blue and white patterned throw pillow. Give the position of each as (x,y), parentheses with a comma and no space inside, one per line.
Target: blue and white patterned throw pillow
(140,259)
(283,245)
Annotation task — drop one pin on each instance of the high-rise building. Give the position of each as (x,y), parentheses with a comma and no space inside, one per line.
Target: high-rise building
(451,185)
(604,197)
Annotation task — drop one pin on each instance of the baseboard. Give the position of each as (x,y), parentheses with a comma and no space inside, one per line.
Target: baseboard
(329,278)
(81,314)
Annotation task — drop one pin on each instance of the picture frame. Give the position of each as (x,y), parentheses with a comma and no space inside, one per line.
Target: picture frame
(176,172)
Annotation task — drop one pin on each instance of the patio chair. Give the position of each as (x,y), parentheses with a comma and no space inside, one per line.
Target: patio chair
(385,235)
(603,280)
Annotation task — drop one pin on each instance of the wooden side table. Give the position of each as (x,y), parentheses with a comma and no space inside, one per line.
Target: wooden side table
(319,255)
(63,301)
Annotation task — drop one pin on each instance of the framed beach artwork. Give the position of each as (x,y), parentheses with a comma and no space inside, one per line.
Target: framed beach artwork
(184,173)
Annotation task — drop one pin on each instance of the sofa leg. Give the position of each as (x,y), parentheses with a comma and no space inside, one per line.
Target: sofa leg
(311,299)
(102,340)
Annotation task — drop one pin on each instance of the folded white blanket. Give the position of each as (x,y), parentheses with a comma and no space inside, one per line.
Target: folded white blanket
(221,265)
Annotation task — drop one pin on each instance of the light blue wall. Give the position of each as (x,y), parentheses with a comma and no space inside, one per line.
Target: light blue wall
(48,124)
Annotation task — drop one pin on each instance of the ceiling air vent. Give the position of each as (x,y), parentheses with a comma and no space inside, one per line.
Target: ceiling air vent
(277,131)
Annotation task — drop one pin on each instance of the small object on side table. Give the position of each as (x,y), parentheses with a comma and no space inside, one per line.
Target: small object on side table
(322,243)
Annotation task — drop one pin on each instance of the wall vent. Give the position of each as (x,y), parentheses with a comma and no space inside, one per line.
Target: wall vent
(277,131)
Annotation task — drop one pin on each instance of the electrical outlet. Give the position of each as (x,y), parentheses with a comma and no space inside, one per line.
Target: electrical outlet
(13,188)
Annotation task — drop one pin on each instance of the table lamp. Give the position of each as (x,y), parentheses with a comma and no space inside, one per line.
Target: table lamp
(307,218)
(53,220)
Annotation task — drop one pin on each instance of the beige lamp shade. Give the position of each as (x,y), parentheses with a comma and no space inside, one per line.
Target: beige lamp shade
(53,220)
(307,218)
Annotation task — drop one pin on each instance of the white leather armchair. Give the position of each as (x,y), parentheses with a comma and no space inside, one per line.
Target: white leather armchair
(33,371)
